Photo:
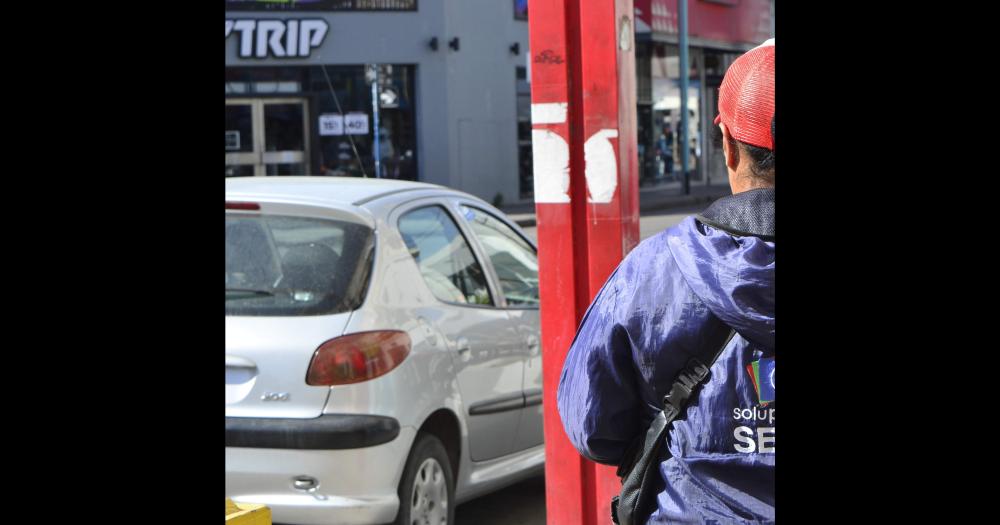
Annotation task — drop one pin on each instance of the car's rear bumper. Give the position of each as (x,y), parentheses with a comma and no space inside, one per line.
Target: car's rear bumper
(355,485)
(326,432)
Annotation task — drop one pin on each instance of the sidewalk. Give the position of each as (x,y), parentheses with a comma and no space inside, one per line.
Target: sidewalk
(662,197)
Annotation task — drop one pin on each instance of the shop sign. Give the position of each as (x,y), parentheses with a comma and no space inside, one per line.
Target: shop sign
(356,123)
(331,124)
(288,38)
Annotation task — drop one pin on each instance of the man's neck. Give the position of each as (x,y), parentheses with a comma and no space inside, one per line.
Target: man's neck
(738,183)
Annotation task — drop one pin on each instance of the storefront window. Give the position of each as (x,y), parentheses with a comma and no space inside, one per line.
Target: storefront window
(351,153)
(716,64)
(662,149)
(647,132)
(320,120)
(239,128)
(342,94)
(283,125)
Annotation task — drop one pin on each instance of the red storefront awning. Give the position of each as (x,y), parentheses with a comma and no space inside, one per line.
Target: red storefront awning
(741,22)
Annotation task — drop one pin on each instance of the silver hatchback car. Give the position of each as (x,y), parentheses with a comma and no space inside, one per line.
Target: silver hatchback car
(382,350)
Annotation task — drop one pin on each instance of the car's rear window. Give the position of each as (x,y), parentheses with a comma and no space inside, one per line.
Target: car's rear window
(287,266)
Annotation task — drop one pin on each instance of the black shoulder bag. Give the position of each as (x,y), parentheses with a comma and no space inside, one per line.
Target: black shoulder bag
(639,469)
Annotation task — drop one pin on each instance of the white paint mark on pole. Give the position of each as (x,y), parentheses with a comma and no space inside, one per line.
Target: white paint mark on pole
(554,113)
(602,168)
(550,155)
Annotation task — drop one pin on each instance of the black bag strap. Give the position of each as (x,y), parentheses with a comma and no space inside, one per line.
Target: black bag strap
(639,475)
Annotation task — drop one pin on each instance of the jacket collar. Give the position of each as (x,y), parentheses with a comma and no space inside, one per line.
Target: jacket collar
(748,213)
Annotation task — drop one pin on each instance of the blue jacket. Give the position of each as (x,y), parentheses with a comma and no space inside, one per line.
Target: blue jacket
(671,293)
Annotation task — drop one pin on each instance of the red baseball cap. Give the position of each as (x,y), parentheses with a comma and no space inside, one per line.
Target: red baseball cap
(746,97)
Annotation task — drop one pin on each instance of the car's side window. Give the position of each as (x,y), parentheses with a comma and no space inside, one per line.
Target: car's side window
(445,260)
(514,260)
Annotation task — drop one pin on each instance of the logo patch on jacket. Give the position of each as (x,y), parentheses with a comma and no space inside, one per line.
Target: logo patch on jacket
(762,375)
(749,437)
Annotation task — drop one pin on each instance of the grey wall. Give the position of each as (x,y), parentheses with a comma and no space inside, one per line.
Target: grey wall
(466,100)
(483,98)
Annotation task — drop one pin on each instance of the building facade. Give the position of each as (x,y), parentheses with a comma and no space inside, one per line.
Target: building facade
(439,90)
(429,90)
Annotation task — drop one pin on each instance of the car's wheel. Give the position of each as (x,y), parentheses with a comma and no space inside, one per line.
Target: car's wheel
(426,492)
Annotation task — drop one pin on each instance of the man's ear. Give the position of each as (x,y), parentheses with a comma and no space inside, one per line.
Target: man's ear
(730,151)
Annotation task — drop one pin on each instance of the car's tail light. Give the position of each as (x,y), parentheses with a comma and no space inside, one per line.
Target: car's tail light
(357,357)
(242,206)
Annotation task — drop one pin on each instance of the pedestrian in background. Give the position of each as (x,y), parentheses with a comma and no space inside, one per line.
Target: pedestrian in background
(666,146)
(702,287)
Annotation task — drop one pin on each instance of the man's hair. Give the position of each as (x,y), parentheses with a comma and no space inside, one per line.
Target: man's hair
(762,159)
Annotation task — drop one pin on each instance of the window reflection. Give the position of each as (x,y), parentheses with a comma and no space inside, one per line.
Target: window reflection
(514,260)
(445,260)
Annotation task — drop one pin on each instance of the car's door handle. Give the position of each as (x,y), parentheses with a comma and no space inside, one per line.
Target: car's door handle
(533,345)
(462,345)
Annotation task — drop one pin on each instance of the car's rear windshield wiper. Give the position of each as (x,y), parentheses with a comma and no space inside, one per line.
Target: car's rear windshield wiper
(249,291)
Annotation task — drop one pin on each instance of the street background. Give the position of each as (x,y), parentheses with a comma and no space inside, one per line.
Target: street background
(650,224)
(660,207)
(441,92)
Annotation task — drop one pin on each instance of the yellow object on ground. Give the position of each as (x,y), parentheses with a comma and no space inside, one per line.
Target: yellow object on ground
(247,514)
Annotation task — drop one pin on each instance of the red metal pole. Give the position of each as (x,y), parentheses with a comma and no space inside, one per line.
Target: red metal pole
(587,205)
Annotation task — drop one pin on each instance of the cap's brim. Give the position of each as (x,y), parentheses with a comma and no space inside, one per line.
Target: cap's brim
(718,119)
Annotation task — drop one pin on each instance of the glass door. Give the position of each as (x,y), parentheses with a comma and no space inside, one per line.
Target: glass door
(266,137)
(285,137)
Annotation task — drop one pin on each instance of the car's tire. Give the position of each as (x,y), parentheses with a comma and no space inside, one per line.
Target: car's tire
(427,489)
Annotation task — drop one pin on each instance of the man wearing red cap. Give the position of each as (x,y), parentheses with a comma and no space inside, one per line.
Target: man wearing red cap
(681,338)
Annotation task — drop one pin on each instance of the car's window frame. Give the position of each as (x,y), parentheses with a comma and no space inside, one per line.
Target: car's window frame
(496,297)
(492,271)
